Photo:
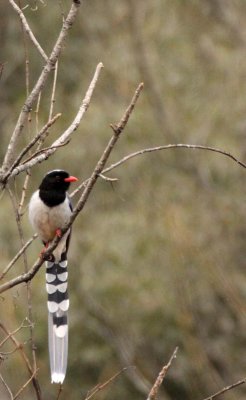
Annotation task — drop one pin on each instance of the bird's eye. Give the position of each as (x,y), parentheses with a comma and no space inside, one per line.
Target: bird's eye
(58,178)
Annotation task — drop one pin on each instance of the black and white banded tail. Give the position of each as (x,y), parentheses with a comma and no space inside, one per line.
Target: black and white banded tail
(58,304)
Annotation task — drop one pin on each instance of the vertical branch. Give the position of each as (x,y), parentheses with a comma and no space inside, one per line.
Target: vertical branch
(52,100)
(19,346)
(28,288)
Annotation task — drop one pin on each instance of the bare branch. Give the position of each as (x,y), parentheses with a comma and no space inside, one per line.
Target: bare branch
(28,30)
(155,389)
(69,131)
(19,346)
(173,146)
(101,386)
(25,385)
(6,387)
(36,138)
(159,148)
(226,389)
(18,255)
(117,130)
(10,153)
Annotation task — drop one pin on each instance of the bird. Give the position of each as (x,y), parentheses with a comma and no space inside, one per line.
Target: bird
(49,210)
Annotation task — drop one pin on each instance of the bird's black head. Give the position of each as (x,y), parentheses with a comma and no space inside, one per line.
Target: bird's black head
(54,186)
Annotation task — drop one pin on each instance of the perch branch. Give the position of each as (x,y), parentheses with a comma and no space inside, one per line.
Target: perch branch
(117,130)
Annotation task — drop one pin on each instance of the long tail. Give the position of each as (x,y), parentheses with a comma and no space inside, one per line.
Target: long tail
(58,304)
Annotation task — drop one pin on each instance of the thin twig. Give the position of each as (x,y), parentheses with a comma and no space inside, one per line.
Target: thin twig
(17,256)
(108,179)
(59,391)
(159,148)
(19,346)
(102,386)
(44,151)
(155,388)
(25,385)
(6,387)
(36,138)
(23,193)
(29,294)
(173,146)
(52,100)
(13,333)
(226,389)
(117,130)
(28,30)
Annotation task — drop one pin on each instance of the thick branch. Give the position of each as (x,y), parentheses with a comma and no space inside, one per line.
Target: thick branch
(117,130)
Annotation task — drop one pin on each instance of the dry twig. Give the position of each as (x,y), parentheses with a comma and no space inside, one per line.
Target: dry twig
(226,389)
(155,389)
(17,256)
(102,386)
(28,30)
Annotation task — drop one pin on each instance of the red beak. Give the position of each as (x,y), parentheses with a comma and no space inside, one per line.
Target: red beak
(71,179)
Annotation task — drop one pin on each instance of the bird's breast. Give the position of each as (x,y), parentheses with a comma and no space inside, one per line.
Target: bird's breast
(46,220)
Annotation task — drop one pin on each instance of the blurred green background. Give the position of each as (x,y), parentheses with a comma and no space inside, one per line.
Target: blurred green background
(157,259)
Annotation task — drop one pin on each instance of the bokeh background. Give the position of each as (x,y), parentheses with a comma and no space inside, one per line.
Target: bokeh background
(157,259)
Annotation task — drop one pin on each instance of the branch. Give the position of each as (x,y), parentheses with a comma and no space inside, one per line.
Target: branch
(159,148)
(66,135)
(174,146)
(101,386)
(225,389)
(27,107)
(36,138)
(19,346)
(154,390)
(117,130)
(17,256)
(28,30)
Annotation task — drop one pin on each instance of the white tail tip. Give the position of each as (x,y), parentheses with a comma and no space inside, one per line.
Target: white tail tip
(57,378)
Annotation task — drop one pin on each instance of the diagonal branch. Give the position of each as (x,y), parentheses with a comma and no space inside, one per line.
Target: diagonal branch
(62,140)
(28,30)
(117,130)
(174,146)
(155,388)
(159,148)
(225,389)
(27,107)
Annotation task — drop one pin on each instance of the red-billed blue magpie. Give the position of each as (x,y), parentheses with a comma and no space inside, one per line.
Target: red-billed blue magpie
(49,210)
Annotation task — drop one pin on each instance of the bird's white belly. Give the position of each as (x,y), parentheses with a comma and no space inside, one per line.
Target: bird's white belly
(46,220)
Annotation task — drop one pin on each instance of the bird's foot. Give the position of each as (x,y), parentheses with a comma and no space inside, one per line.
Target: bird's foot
(58,232)
(43,256)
